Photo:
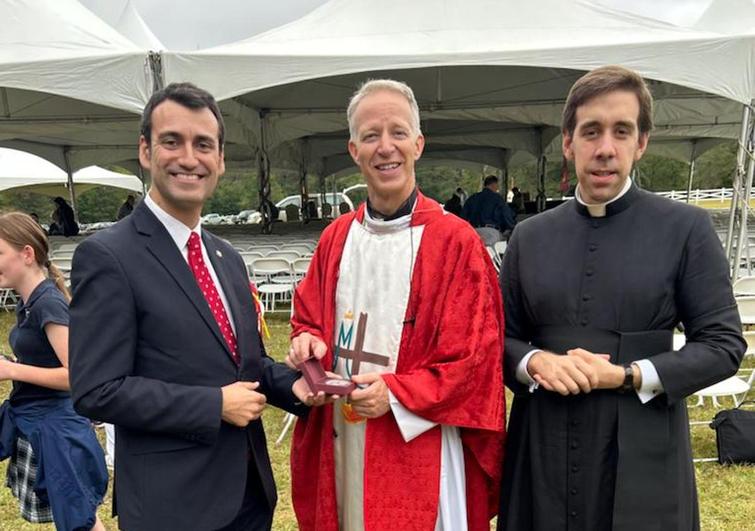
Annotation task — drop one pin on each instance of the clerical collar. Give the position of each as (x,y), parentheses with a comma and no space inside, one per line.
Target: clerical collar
(404,210)
(613,206)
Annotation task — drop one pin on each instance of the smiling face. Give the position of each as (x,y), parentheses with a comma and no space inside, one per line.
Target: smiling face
(605,144)
(184,158)
(14,264)
(385,148)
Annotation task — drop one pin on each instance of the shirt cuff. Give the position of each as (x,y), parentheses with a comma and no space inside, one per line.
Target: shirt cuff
(651,383)
(522,375)
(410,425)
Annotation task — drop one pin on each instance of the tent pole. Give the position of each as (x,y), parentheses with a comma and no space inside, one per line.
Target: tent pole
(737,182)
(303,192)
(743,239)
(541,199)
(321,185)
(505,174)
(691,169)
(263,180)
(156,69)
(71,190)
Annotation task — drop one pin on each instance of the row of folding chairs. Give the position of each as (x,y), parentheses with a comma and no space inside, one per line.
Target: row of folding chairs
(266,251)
(276,278)
(246,244)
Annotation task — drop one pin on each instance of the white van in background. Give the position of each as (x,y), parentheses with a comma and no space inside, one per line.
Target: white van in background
(335,200)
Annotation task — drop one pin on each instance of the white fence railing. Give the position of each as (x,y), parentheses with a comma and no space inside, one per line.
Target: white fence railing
(719,194)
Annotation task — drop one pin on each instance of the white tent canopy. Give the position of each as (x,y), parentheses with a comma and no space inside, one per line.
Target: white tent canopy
(347,36)
(728,17)
(70,85)
(131,25)
(19,170)
(494,62)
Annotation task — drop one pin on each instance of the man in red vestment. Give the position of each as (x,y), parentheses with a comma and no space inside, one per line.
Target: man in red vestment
(402,298)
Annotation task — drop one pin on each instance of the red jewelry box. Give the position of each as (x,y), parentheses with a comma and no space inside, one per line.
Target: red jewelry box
(318,381)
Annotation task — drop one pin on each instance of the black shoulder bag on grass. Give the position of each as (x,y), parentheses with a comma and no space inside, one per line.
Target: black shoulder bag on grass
(735,434)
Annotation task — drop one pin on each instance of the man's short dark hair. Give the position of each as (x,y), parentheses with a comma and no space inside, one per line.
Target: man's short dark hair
(490,179)
(188,95)
(602,81)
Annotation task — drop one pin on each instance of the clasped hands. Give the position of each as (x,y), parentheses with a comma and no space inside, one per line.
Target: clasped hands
(579,371)
(369,400)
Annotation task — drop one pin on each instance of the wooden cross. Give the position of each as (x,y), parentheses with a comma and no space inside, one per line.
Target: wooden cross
(358,355)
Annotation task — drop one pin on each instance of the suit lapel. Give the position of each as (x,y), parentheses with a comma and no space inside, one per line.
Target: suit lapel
(164,249)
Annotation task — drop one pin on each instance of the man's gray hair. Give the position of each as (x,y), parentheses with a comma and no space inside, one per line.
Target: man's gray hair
(376,85)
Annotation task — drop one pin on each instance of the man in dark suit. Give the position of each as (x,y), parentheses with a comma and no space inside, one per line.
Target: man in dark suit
(488,212)
(164,341)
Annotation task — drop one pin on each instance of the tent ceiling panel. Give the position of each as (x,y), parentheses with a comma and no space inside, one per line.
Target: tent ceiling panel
(60,47)
(348,36)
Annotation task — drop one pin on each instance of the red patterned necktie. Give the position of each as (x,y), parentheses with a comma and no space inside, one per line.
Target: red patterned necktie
(210,292)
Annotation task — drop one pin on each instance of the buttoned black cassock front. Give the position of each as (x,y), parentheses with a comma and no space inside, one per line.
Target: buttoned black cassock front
(618,285)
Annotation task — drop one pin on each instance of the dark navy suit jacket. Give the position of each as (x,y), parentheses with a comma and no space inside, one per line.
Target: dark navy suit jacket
(147,355)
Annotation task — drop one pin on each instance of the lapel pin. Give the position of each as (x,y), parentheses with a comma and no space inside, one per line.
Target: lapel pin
(220,255)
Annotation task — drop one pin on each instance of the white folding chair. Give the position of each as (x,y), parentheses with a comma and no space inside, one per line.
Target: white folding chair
(287,254)
(301,248)
(64,264)
(264,272)
(66,247)
(495,258)
(746,307)
(749,336)
(8,299)
(264,250)
(300,266)
(288,422)
(734,386)
(744,286)
(500,248)
(62,254)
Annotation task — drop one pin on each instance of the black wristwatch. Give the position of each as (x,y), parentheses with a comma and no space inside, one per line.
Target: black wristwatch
(628,383)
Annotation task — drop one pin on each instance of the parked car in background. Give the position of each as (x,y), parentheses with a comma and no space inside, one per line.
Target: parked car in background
(247,216)
(334,200)
(212,219)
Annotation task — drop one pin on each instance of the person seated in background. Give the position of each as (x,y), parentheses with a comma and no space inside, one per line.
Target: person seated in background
(517,200)
(455,204)
(55,227)
(126,208)
(65,217)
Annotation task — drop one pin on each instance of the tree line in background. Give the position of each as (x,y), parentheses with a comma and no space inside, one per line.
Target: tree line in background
(237,190)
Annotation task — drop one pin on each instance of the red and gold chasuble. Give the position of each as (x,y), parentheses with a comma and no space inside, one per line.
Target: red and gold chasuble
(438,341)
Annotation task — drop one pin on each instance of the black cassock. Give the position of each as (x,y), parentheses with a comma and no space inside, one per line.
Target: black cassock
(618,285)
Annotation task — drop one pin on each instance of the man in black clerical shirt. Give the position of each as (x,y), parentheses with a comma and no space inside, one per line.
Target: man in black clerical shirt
(598,435)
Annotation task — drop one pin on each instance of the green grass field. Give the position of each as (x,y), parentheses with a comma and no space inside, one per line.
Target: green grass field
(726,493)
